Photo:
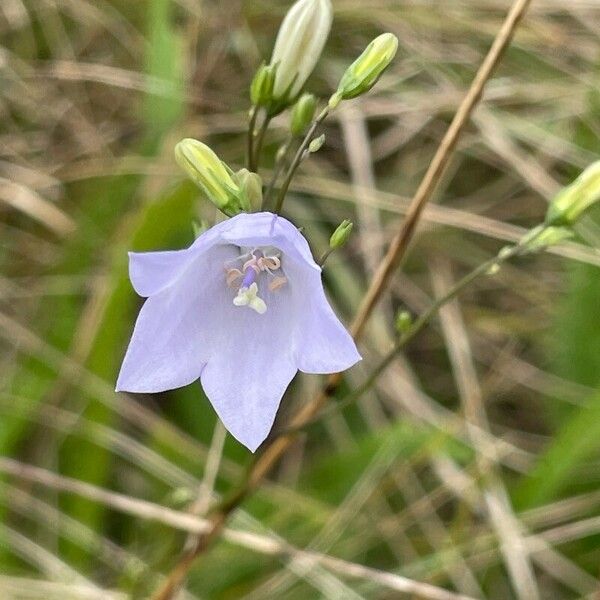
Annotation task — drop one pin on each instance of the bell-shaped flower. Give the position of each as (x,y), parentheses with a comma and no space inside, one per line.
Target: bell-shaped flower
(242,309)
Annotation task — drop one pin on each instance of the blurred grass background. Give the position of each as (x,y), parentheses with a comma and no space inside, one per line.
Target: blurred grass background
(93,97)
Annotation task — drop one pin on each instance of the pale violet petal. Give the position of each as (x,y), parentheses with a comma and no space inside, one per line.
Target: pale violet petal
(323,345)
(252,364)
(171,340)
(267,229)
(152,272)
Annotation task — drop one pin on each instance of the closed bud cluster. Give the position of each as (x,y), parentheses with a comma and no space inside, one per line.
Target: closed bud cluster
(212,176)
(261,90)
(571,202)
(366,70)
(298,47)
(341,235)
(303,114)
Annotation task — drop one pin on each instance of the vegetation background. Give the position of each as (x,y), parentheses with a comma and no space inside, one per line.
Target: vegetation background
(93,97)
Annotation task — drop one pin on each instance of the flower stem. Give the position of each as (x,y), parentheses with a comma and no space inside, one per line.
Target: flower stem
(280,165)
(298,158)
(260,138)
(321,262)
(250,141)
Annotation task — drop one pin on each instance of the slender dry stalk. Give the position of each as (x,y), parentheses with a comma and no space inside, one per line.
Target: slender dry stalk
(382,277)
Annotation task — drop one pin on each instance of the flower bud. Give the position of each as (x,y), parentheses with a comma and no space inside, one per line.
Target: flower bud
(316,144)
(299,44)
(261,90)
(366,70)
(341,235)
(403,322)
(211,175)
(570,203)
(541,237)
(303,114)
(252,188)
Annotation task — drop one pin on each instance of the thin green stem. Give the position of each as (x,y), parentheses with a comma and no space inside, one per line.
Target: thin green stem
(260,138)
(321,262)
(298,158)
(250,140)
(279,166)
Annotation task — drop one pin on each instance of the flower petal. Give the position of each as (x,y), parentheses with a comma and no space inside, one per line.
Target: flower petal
(252,365)
(171,341)
(323,345)
(151,272)
(268,229)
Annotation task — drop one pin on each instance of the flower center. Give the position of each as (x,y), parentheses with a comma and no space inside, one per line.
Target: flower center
(256,265)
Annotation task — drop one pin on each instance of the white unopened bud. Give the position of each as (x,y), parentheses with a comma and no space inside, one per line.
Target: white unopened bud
(299,45)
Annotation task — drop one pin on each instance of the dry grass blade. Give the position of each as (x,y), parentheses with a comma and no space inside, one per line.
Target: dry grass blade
(28,201)
(192,524)
(34,589)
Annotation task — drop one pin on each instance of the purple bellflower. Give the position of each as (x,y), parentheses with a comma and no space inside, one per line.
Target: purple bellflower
(242,309)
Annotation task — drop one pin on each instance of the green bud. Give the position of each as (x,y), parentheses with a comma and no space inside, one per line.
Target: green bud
(571,202)
(493,270)
(366,70)
(303,114)
(316,144)
(252,188)
(403,322)
(261,90)
(211,175)
(180,496)
(341,235)
(541,237)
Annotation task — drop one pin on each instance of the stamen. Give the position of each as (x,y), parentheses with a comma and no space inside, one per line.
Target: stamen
(277,283)
(232,276)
